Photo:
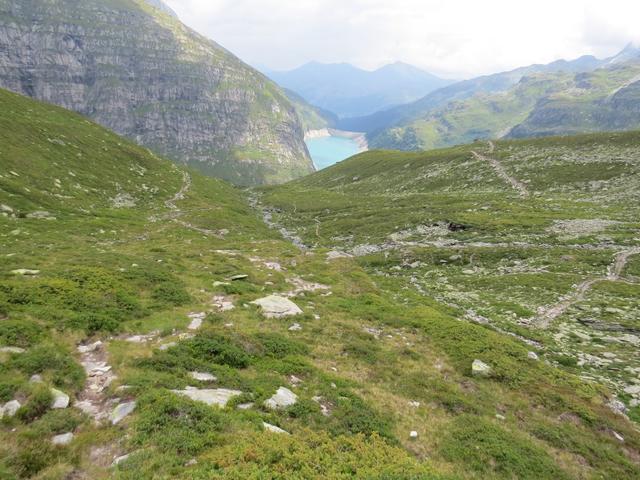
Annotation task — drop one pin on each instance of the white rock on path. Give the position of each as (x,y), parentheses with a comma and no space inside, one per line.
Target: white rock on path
(273,429)
(60,399)
(275,306)
(63,439)
(217,396)
(203,377)
(121,412)
(283,398)
(196,320)
(480,369)
(9,409)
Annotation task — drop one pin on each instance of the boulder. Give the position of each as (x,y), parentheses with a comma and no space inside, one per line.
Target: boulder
(9,409)
(275,306)
(63,439)
(273,429)
(532,356)
(216,396)
(60,399)
(121,411)
(283,398)
(480,369)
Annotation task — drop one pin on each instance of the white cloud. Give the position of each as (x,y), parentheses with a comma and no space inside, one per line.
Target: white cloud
(459,38)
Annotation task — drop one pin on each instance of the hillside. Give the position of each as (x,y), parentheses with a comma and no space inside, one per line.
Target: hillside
(349,91)
(533,244)
(137,70)
(311,117)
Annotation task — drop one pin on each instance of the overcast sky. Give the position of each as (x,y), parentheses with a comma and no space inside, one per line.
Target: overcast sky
(455,38)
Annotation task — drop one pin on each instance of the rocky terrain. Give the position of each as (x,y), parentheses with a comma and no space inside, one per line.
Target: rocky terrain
(394,316)
(137,70)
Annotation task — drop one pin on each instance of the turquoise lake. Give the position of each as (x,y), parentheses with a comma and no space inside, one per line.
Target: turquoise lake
(326,151)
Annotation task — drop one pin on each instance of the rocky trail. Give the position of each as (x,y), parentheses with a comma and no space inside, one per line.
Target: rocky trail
(549,314)
(517,185)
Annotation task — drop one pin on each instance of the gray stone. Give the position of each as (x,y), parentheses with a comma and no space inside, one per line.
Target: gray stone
(632,390)
(60,399)
(245,406)
(532,356)
(273,429)
(196,320)
(413,435)
(6,208)
(121,412)
(275,306)
(120,459)
(296,327)
(203,377)
(9,409)
(166,346)
(12,350)
(25,271)
(335,254)
(35,378)
(283,398)
(480,369)
(217,396)
(63,439)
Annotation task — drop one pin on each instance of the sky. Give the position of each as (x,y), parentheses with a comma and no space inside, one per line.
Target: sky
(452,38)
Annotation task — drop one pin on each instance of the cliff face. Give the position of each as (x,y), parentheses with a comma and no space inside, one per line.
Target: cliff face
(140,72)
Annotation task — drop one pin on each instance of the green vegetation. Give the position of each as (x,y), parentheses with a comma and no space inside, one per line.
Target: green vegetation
(384,346)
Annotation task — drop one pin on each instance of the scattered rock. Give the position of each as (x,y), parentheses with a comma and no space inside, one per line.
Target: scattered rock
(296,327)
(121,412)
(222,303)
(25,271)
(60,399)
(500,417)
(335,254)
(480,369)
(532,356)
(9,409)
(239,277)
(218,396)
(166,346)
(273,429)
(203,377)
(5,208)
(35,378)
(617,436)
(123,458)
(616,406)
(275,306)
(41,215)
(196,320)
(273,266)
(63,439)
(89,348)
(245,406)
(413,435)
(12,350)
(632,390)
(283,398)
(414,404)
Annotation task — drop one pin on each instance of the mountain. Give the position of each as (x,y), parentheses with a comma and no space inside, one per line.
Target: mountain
(349,91)
(137,70)
(312,117)
(487,84)
(559,98)
(159,4)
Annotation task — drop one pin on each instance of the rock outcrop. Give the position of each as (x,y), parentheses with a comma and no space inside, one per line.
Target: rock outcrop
(139,71)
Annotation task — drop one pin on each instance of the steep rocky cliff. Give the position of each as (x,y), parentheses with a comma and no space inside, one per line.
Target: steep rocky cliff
(136,69)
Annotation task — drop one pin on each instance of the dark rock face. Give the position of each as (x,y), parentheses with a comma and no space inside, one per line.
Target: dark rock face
(139,71)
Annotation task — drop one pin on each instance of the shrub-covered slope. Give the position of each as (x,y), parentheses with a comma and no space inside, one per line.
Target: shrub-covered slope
(104,242)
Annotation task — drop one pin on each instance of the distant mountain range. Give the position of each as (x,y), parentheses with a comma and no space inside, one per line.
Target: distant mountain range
(563,97)
(349,91)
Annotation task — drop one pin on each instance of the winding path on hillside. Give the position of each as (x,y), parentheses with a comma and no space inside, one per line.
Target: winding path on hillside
(176,212)
(517,185)
(549,314)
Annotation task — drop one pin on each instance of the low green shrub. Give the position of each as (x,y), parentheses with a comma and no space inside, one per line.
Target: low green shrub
(20,333)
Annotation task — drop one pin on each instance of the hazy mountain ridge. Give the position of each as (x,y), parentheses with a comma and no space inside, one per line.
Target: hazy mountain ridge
(147,76)
(493,106)
(349,91)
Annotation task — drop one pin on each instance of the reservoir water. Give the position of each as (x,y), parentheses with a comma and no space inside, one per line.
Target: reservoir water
(326,151)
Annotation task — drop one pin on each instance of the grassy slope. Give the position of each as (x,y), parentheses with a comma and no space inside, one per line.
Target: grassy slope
(508,262)
(105,271)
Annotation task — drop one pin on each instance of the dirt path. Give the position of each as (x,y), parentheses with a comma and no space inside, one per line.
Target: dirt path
(517,185)
(552,312)
(176,212)
(92,400)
